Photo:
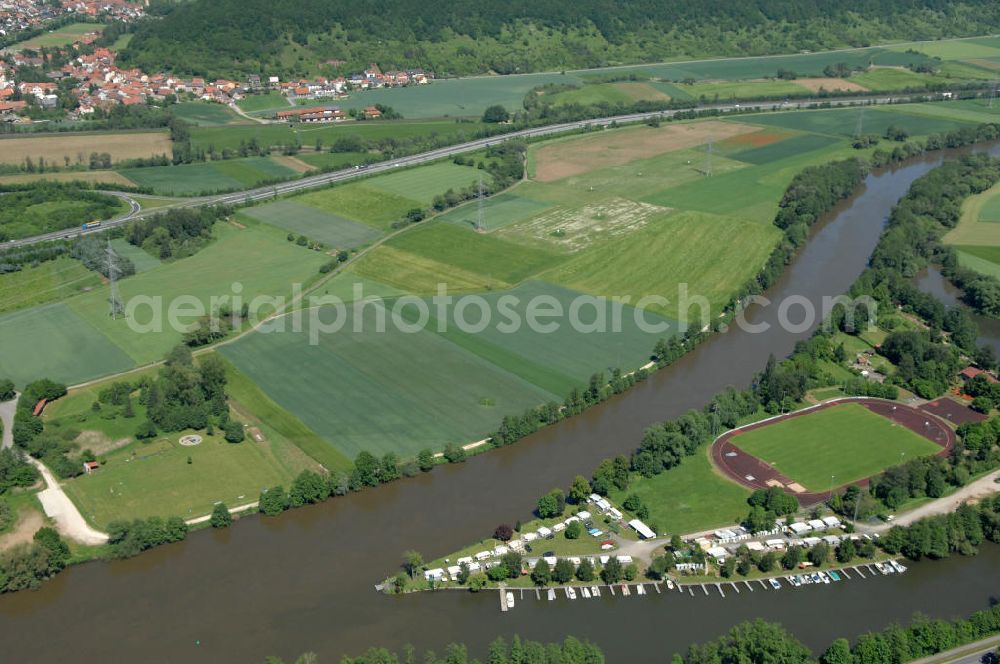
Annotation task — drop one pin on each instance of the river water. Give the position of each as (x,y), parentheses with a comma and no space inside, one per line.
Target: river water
(304,581)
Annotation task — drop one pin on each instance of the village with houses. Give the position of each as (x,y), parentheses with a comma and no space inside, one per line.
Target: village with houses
(90,79)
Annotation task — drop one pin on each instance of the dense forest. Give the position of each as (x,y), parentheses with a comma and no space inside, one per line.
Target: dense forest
(455,37)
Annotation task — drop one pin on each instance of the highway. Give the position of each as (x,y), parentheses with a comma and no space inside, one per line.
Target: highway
(324,179)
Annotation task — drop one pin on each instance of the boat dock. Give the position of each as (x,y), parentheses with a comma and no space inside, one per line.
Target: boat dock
(804,577)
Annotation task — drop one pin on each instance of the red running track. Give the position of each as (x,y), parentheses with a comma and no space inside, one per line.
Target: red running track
(742,465)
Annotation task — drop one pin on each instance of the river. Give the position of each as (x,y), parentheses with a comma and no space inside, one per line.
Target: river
(304,581)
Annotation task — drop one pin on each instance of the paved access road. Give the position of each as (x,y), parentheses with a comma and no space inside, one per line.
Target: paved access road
(7,409)
(321,180)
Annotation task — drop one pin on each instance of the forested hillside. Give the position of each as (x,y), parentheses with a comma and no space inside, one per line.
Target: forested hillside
(460,37)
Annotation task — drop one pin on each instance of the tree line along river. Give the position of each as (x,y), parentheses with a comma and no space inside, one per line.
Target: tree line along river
(304,581)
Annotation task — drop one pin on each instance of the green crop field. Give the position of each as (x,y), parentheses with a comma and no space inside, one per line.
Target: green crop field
(847,442)
(53,341)
(141,259)
(476,253)
(978,225)
(990,211)
(889,80)
(206,114)
(689,498)
(197,178)
(610,93)
(46,282)
(155,479)
(259,258)
(788,147)
(315,224)
(333,160)
(691,248)
(498,211)
(844,122)
(382,391)
(281,134)
(956,49)
(589,336)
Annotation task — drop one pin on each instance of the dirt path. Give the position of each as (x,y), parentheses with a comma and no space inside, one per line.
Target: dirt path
(979,489)
(7,409)
(57,505)
(27,525)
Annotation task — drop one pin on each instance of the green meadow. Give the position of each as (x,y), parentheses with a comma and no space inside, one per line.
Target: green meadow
(47,282)
(206,114)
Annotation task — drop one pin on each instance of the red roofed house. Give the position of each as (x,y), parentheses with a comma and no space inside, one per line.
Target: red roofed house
(39,407)
(90,466)
(969,373)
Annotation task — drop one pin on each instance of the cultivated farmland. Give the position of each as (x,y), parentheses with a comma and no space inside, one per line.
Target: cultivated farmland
(314,223)
(55,149)
(209,177)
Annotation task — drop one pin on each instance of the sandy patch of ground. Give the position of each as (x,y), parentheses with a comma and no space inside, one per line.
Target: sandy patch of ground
(831,84)
(573,229)
(563,159)
(293,163)
(29,521)
(99,443)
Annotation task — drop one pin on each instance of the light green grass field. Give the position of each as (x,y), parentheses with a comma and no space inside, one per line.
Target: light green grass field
(63,36)
(498,211)
(360,202)
(965,110)
(689,498)
(978,226)
(990,211)
(333,160)
(155,479)
(382,391)
(190,179)
(141,259)
(485,255)
(985,260)
(53,341)
(259,258)
(954,49)
(48,282)
(743,89)
(316,224)
(847,442)
(691,248)
(206,114)
(263,102)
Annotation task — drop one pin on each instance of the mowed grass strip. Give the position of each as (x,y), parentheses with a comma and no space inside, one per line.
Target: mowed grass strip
(53,341)
(78,147)
(978,226)
(689,498)
(46,282)
(712,255)
(478,253)
(382,391)
(847,442)
(314,223)
(985,260)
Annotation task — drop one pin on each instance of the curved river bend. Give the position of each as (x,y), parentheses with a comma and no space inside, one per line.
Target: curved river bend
(304,581)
